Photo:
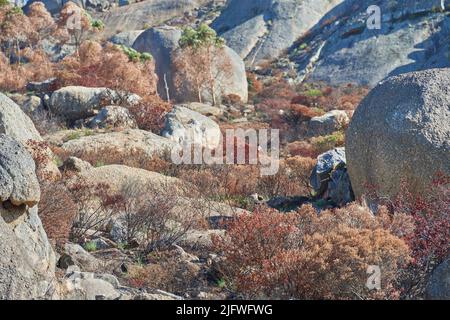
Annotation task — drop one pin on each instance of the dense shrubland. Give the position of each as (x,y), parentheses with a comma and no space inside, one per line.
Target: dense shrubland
(265,253)
(302,255)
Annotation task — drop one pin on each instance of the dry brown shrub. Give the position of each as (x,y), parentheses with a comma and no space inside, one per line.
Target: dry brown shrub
(57,211)
(108,66)
(303,255)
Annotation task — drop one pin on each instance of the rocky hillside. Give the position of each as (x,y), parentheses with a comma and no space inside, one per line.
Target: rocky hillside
(329,40)
(135,150)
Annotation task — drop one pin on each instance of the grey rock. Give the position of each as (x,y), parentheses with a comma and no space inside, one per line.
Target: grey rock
(204,109)
(401,131)
(145,14)
(161,43)
(89,286)
(330,180)
(262,30)
(81,258)
(438,287)
(126,38)
(76,165)
(18,182)
(75,102)
(413,37)
(28,103)
(123,144)
(27,261)
(113,117)
(15,123)
(328,123)
(186,126)
(108,278)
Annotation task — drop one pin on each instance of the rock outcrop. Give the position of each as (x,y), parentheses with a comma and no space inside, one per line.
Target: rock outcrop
(16,124)
(413,36)
(401,132)
(121,145)
(27,261)
(262,30)
(113,117)
(145,14)
(330,179)
(328,123)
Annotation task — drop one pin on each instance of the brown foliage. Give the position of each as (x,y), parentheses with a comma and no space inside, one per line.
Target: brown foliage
(57,211)
(305,256)
(108,66)
(149,113)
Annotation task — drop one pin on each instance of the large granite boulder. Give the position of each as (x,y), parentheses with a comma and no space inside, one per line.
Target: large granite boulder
(162,44)
(126,38)
(401,132)
(27,260)
(15,123)
(74,102)
(118,176)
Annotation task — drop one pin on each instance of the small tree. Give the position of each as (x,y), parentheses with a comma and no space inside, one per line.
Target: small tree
(197,61)
(75,24)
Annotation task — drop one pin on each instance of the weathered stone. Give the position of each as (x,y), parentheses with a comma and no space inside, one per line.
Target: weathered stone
(186,126)
(27,260)
(75,103)
(18,182)
(401,132)
(113,117)
(262,30)
(328,123)
(329,178)
(15,123)
(438,287)
(122,144)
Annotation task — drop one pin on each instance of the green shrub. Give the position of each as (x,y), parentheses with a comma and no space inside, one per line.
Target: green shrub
(97,24)
(90,246)
(324,143)
(134,55)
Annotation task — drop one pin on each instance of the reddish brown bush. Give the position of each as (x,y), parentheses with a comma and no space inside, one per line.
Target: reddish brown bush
(429,236)
(57,211)
(149,113)
(108,66)
(306,256)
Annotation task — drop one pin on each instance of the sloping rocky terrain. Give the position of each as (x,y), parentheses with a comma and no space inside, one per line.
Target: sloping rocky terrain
(94,122)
